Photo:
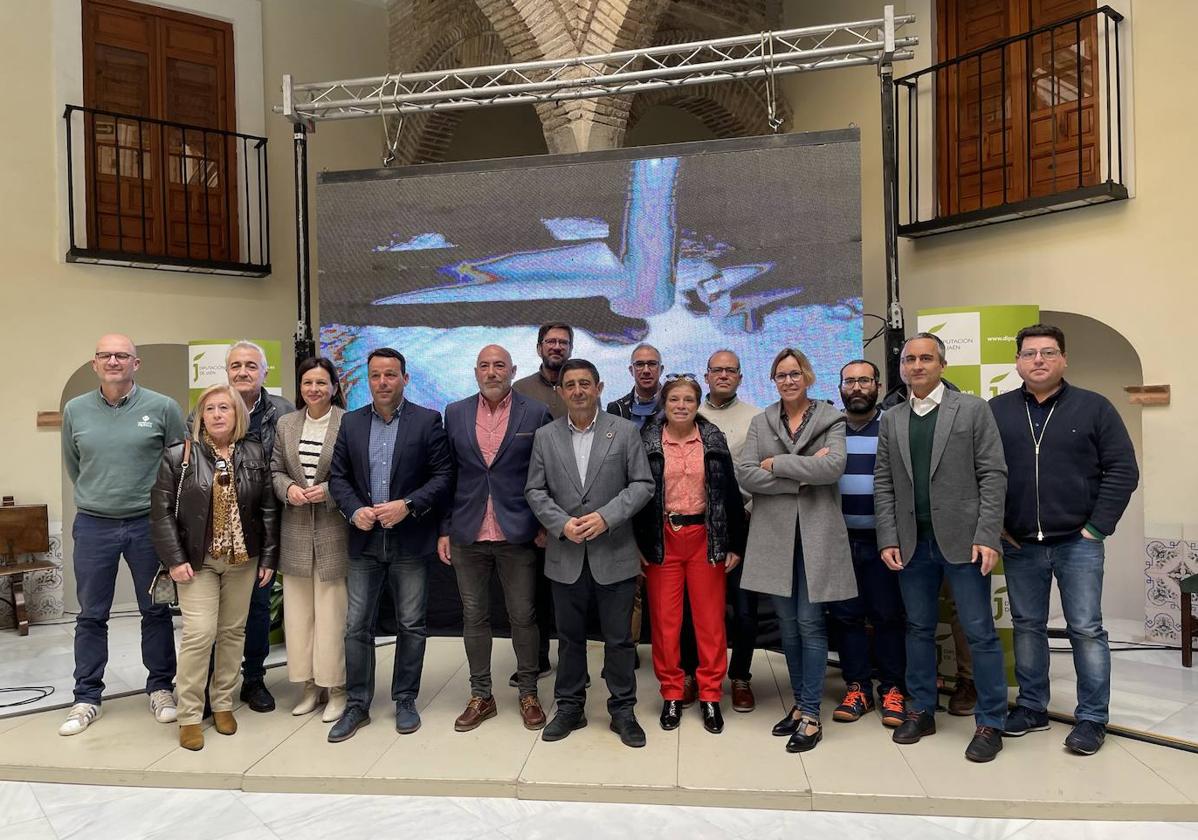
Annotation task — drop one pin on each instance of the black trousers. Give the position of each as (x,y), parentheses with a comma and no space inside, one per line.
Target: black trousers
(613,603)
(544,609)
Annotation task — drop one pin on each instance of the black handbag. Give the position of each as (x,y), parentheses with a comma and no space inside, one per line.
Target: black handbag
(163,590)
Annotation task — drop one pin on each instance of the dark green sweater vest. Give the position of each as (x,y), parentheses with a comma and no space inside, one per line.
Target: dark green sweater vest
(923,429)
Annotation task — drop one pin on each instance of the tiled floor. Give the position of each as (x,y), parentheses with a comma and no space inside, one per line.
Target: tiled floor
(856,769)
(65,812)
(1151,691)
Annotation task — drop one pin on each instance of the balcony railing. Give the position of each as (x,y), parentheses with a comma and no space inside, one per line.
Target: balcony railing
(1029,125)
(151,193)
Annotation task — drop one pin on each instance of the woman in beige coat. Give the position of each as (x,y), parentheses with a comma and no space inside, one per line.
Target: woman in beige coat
(313,558)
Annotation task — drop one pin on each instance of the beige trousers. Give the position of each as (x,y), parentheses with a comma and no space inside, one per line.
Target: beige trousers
(214,605)
(314,624)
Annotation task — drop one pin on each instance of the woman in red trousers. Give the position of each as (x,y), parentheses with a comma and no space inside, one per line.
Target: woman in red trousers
(690,536)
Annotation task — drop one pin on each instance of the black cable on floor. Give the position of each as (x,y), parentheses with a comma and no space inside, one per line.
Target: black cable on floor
(41,693)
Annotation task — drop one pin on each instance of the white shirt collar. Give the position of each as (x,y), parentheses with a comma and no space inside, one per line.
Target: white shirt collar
(590,425)
(923,405)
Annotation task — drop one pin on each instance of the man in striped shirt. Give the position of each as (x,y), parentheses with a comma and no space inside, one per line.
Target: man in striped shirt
(879,601)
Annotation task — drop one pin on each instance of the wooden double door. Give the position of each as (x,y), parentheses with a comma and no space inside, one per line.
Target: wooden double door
(166,185)
(1015,121)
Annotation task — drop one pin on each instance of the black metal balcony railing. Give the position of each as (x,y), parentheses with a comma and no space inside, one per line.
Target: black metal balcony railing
(161,194)
(1029,125)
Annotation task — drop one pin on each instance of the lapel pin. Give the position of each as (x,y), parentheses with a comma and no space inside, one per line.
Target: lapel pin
(609,435)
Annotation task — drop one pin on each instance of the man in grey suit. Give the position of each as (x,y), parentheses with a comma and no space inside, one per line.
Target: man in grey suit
(940,482)
(587,477)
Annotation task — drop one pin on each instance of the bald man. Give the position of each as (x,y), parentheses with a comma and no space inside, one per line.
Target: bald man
(112,443)
(489,526)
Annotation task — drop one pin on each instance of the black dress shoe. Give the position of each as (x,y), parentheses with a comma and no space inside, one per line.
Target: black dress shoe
(671,714)
(629,730)
(563,724)
(713,718)
(353,719)
(802,740)
(788,725)
(917,725)
(257,696)
(986,744)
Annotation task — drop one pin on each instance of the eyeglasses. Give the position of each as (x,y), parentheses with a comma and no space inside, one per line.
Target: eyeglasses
(850,381)
(731,371)
(793,376)
(556,342)
(670,377)
(120,357)
(646,364)
(1047,354)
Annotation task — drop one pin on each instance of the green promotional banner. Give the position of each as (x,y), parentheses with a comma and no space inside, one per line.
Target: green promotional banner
(206,365)
(979,344)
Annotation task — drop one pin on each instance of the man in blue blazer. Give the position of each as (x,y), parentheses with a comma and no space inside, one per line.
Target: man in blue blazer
(390,477)
(490,527)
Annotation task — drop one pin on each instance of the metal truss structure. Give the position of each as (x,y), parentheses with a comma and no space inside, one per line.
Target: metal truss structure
(765,55)
(868,42)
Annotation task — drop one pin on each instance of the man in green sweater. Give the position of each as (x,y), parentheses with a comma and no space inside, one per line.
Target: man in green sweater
(112,442)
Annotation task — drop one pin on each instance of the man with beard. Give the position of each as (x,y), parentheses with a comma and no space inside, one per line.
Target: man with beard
(879,601)
(555,340)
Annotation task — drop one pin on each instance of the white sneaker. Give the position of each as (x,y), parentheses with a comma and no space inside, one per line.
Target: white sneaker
(79,718)
(162,704)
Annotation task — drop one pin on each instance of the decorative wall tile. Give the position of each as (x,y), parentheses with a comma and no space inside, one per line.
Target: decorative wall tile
(1166,562)
(43,589)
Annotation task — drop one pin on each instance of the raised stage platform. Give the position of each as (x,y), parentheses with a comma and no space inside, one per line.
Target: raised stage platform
(856,767)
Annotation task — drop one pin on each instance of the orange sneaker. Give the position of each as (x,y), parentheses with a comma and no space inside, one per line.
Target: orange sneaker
(856,702)
(893,708)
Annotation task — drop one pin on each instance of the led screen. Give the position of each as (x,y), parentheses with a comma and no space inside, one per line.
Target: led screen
(751,245)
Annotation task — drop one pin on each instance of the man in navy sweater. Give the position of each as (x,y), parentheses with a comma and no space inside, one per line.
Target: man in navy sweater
(1072,470)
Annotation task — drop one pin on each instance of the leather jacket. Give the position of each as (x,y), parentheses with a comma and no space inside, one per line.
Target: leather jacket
(186,539)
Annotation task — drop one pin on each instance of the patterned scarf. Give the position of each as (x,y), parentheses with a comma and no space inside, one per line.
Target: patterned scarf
(228,540)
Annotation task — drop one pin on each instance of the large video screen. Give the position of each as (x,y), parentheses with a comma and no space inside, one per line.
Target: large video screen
(750,245)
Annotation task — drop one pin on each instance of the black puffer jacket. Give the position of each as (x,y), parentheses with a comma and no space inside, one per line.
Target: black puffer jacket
(186,539)
(727,527)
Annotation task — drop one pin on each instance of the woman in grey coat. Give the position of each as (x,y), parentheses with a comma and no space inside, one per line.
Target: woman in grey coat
(313,556)
(798,549)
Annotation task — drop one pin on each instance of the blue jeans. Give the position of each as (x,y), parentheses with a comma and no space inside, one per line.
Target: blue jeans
(920,584)
(804,638)
(382,563)
(1078,566)
(99,544)
(879,602)
(257,633)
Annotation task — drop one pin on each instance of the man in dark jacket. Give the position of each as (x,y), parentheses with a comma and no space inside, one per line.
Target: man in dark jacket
(1072,472)
(390,477)
(643,402)
(489,528)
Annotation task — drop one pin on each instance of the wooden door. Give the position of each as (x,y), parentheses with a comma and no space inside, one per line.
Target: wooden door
(178,68)
(989,111)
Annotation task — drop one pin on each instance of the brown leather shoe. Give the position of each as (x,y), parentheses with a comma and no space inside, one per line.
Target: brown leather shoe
(690,691)
(477,710)
(531,712)
(742,696)
(963,698)
(225,723)
(191,736)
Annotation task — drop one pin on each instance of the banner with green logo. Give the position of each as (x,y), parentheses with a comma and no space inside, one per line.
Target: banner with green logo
(206,365)
(979,344)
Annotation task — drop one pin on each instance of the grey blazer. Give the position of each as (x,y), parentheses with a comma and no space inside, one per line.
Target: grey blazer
(311,534)
(968,478)
(618,483)
(800,488)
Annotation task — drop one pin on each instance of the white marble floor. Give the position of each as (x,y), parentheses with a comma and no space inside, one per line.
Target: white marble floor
(1150,689)
(64,812)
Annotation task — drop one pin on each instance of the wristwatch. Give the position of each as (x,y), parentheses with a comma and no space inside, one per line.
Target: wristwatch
(408,503)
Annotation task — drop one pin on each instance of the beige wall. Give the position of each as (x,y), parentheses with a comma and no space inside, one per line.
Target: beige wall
(50,311)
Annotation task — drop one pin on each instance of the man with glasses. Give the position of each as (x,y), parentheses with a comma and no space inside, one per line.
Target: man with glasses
(644,400)
(112,442)
(939,486)
(1072,472)
(555,340)
(879,602)
(731,415)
